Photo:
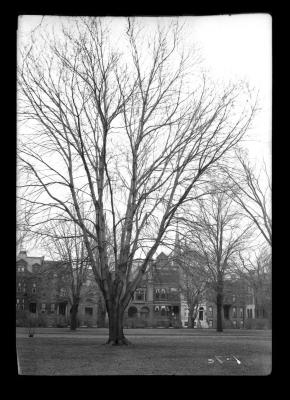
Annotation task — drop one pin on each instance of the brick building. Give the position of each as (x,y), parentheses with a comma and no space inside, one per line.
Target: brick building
(159,302)
(156,303)
(42,295)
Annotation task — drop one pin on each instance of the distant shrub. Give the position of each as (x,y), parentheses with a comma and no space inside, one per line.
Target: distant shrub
(257,323)
(42,321)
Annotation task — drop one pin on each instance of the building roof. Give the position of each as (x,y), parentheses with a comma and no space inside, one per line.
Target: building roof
(30,261)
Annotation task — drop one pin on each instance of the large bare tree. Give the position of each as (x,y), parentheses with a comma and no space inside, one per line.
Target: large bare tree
(216,230)
(123,127)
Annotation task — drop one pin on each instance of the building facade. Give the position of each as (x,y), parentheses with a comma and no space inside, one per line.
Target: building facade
(42,296)
(156,303)
(159,302)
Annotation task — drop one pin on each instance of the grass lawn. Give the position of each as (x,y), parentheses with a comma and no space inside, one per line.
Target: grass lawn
(152,352)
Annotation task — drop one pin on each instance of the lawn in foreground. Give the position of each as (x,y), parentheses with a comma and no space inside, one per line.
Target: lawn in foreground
(147,355)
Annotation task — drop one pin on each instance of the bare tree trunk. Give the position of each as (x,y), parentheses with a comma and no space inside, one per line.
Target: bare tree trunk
(116,333)
(73,316)
(219,302)
(191,322)
(191,318)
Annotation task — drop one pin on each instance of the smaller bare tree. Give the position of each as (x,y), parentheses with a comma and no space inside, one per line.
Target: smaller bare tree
(216,231)
(64,242)
(194,279)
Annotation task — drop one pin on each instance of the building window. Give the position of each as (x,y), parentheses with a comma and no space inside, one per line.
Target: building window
(156,309)
(19,287)
(140,295)
(241,312)
(234,298)
(163,311)
(89,311)
(163,294)
(34,288)
(235,324)
(43,307)
(250,313)
(210,311)
(157,292)
(210,323)
(21,306)
(20,269)
(52,307)
(234,312)
(200,314)
(242,324)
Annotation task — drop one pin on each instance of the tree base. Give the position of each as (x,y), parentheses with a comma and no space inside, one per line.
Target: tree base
(118,342)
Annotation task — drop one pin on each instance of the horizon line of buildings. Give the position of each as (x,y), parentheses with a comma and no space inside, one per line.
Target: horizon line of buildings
(157,302)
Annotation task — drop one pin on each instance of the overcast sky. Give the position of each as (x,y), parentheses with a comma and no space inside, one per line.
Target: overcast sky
(232,48)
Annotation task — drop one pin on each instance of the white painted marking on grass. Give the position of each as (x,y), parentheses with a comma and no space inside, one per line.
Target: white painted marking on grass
(219,360)
(238,361)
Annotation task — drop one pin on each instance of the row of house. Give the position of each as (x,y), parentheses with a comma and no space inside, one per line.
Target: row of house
(41,294)
(160,302)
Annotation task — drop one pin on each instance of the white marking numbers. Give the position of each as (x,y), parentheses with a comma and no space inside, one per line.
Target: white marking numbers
(224,359)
